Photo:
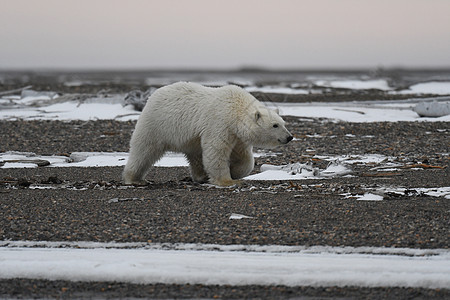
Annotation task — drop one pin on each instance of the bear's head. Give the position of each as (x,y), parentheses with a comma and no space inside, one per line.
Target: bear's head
(269,128)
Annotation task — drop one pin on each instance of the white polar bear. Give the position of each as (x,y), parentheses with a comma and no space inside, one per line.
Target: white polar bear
(216,128)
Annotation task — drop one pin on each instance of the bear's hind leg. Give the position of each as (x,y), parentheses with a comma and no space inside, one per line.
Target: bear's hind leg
(139,161)
(197,171)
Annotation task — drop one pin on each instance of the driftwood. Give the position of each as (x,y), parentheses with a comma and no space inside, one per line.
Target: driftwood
(38,162)
(423,166)
(138,98)
(15,90)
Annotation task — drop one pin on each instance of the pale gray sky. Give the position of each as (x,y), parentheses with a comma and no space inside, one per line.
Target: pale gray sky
(224,34)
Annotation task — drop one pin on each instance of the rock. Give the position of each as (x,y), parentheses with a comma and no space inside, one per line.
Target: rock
(432,109)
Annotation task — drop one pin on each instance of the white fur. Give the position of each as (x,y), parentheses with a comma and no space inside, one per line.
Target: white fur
(216,128)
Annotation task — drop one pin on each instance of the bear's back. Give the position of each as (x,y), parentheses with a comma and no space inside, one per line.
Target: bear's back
(188,100)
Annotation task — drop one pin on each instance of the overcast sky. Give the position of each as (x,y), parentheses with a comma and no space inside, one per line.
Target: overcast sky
(224,33)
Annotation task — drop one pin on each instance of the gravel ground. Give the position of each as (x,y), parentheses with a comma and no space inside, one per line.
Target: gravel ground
(174,209)
(19,288)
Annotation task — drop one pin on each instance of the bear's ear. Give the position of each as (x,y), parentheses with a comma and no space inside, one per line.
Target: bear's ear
(257,116)
(277,111)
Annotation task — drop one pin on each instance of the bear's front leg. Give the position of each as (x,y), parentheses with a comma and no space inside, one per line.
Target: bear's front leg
(216,161)
(241,161)
(196,163)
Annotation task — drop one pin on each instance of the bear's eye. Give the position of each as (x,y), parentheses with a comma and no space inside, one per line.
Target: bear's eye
(275,125)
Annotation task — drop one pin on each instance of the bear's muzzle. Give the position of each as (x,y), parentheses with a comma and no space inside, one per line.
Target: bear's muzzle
(287,140)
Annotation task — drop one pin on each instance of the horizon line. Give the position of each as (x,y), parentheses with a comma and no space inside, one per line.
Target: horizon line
(242,69)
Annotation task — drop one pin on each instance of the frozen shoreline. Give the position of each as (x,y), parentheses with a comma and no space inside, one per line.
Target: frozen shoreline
(321,266)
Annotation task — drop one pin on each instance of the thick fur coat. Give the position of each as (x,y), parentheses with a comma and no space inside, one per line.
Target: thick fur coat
(216,128)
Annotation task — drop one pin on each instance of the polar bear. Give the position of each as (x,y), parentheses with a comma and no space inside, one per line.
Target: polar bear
(216,129)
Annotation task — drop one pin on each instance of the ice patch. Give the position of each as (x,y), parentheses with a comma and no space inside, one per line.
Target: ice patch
(239,217)
(360,112)
(378,84)
(83,159)
(378,194)
(369,197)
(72,111)
(406,192)
(94,159)
(28,160)
(228,264)
(277,90)
(17,165)
(298,171)
(222,248)
(27,97)
(432,87)
(112,108)
(337,166)
(356,159)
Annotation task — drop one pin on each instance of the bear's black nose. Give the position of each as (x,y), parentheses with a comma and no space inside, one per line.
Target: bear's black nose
(290,138)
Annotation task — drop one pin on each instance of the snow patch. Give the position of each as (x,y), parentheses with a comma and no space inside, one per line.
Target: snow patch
(432,87)
(377,84)
(113,108)
(378,194)
(222,248)
(365,197)
(277,90)
(83,159)
(356,159)
(239,217)
(432,192)
(298,171)
(337,166)
(368,111)
(72,111)
(230,265)
(356,112)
